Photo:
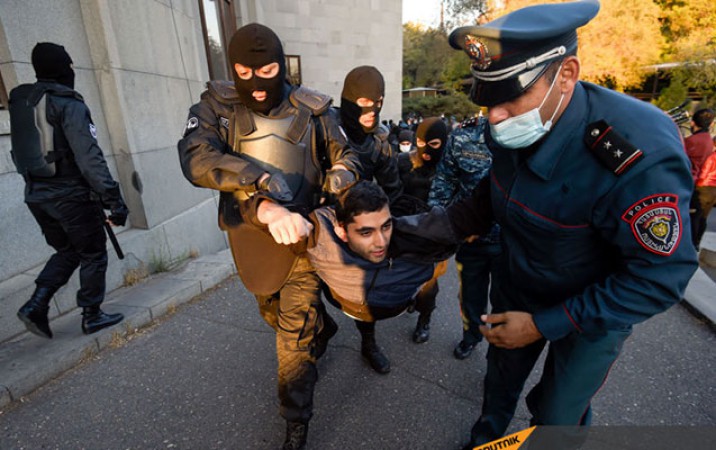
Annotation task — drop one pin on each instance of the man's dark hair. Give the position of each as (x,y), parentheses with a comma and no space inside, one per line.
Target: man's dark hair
(703,118)
(362,197)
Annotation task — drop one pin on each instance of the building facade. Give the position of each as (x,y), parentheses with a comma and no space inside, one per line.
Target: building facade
(140,64)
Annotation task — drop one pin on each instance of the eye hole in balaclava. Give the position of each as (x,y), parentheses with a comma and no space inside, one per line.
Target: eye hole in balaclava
(52,63)
(256,46)
(361,82)
(430,139)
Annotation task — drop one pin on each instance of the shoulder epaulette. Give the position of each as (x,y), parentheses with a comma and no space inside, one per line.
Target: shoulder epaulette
(615,152)
(315,101)
(223,91)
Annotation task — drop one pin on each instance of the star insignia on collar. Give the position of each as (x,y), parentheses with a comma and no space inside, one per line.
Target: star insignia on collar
(607,145)
(617,153)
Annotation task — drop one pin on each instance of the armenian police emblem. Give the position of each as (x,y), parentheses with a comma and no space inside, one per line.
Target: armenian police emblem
(656,223)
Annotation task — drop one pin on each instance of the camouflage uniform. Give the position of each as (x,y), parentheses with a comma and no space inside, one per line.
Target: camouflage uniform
(467,160)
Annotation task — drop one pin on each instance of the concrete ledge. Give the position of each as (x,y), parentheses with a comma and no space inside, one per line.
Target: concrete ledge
(28,361)
(701,295)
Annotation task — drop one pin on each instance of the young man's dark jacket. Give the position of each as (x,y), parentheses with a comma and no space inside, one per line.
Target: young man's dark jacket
(212,155)
(80,167)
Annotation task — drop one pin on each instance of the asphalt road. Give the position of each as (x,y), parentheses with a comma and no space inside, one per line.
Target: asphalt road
(205,378)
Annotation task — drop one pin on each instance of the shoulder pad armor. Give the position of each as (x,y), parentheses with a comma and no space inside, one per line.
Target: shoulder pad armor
(317,102)
(612,150)
(223,91)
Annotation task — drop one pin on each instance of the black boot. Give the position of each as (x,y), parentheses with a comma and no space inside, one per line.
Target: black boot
(94,319)
(34,312)
(330,328)
(372,353)
(422,329)
(296,434)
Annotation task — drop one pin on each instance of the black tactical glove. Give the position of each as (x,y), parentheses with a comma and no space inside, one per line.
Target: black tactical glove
(276,187)
(338,180)
(118,214)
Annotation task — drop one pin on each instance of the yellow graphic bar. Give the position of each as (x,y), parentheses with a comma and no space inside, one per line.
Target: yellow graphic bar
(511,442)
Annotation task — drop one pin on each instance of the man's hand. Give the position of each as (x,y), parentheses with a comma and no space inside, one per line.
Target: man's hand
(275,186)
(118,215)
(338,178)
(511,329)
(285,227)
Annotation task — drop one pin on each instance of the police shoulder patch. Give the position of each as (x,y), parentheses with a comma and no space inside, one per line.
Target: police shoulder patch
(656,223)
(611,148)
(191,125)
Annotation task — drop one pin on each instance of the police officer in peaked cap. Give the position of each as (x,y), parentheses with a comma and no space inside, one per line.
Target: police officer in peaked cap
(591,189)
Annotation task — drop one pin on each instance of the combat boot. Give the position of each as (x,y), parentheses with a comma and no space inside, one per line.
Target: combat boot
(94,319)
(422,329)
(372,353)
(34,313)
(296,434)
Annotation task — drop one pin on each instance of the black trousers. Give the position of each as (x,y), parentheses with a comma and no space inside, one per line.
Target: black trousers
(73,227)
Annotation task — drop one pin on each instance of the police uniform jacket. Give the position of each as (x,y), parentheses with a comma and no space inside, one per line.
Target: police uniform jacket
(466,160)
(80,165)
(587,249)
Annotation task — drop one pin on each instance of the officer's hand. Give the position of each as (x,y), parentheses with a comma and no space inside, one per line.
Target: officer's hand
(339,179)
(511,329)
(276,187)
(118,215)
(285,227)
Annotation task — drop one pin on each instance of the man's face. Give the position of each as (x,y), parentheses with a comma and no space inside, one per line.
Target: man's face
(369,234)
(266,72)
(367,120)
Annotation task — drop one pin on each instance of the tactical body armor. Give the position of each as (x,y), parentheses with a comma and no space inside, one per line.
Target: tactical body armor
(284,142)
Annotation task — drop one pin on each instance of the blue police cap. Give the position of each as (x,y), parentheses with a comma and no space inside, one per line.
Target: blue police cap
(510,53)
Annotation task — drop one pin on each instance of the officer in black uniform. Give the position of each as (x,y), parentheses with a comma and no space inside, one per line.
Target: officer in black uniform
(591,190)
(260,134)
(63,204)
(417,169)
(359,114)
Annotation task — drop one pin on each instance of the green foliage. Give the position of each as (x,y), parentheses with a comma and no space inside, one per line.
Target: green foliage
(673,95)
(457,105)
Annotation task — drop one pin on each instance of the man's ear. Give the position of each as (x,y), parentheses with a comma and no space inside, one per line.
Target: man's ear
(341,233)
(569,74)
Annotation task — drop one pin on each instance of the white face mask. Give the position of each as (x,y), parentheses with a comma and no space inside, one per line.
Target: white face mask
(405,147)
(526,129)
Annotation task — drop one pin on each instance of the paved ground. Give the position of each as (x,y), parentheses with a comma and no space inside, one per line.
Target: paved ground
(204,378)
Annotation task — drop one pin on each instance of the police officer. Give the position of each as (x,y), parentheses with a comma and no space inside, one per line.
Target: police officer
(260,134)
(591,190)
(361,101)
(465,162)
(417,170)
(63,203)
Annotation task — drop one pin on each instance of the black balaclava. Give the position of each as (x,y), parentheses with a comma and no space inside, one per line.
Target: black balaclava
(429,129)
(255,46)
(52,63)
(361,82)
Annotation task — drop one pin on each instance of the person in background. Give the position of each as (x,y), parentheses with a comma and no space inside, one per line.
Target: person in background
(417,170)
(467,161)
(361,101)
(63,203)
(706,194)
(699,146)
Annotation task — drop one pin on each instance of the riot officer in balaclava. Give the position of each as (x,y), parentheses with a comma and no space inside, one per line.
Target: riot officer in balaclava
(361,101)
(417,170)
(268,146)
(59,197)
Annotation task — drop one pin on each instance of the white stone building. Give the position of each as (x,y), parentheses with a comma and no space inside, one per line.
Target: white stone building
(140,64)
